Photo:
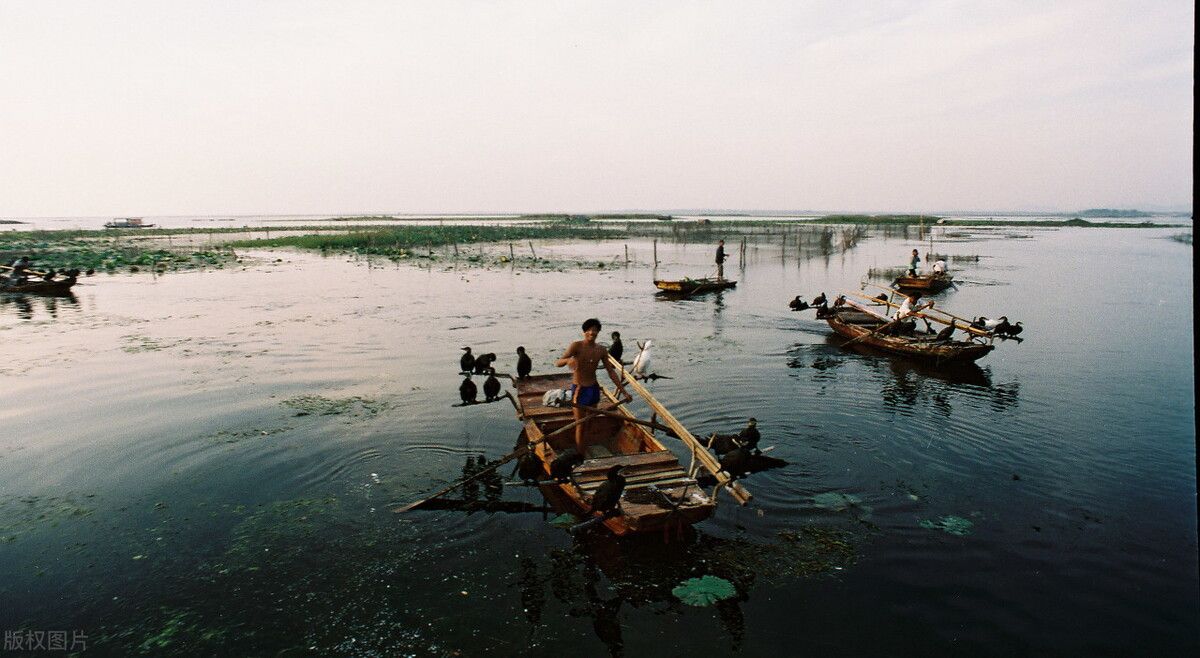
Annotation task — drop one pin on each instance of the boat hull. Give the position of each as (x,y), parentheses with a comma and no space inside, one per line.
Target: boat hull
(693,286)
(61,287)
(660,496)
(922,347)
(926,283)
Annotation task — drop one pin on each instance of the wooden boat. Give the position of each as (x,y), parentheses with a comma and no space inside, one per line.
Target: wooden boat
(660,493)
(127,222)
(693,286)
(39,287)
(924,283)
(862,325)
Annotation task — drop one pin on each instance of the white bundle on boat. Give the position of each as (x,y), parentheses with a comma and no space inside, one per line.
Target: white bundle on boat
(556,397)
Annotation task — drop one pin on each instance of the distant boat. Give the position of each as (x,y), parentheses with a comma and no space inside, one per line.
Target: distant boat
(127,222)
(693,286)
(924,283)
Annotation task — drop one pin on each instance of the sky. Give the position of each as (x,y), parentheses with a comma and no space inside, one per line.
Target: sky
(291,107)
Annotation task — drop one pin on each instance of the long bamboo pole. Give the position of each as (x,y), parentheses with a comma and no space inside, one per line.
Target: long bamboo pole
(702,455)
(924,314)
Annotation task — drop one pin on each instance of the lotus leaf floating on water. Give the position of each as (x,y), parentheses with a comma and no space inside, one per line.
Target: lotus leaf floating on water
(704,591)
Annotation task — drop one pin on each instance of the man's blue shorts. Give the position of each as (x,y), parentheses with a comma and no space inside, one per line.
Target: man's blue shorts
(585,395)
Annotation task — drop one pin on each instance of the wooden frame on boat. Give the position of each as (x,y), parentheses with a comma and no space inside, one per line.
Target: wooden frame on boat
(660,494)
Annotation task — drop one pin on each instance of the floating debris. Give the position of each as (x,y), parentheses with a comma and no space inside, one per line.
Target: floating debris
(836,501)
(704,591)
(954,525)
(565,520)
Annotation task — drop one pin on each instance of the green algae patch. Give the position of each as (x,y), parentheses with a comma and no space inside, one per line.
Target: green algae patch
(98,250)
(319,405)
(954,525)
(805,552)
(25,514)
(704,591)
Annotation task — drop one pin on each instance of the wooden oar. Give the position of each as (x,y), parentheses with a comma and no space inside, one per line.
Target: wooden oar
(6,267)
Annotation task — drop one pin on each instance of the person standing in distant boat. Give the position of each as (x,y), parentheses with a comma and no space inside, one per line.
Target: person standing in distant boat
(584,356)
(914,263)
(720,259)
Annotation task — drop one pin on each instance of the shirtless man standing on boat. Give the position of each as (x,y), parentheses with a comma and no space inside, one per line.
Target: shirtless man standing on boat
(584,356)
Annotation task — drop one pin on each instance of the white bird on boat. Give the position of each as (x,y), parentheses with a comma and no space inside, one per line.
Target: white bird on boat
(641,363)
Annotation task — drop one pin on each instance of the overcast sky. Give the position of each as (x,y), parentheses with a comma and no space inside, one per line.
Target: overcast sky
(150,108)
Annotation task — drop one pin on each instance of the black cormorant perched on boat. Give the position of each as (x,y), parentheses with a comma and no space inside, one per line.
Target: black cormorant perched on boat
(882,297)
(483,362)
(798,304)
(529,468)
(561,467)
(736,462)
(945,334)
(524,364)
(819,300)
(468,391)
(608,494)
(841,299)
(467,362)
(1005,328)
(491,386)
(749,437)
(616,349)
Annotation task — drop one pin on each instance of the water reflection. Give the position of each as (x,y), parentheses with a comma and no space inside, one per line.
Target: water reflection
(27,306)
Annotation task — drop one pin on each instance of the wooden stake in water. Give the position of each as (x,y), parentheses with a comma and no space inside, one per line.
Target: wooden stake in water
(656,252)
(531,250)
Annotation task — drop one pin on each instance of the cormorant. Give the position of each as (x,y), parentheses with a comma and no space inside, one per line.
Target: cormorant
(736,462)
(841,299)
(945,334)
(749,437)
(819,300)
(524,364)
(1015,329)
(882,297)
(529,468)
(616,349)
(483,362)
(561,467)
(491,386)
(467,390)
(798,304)
(467,362)
(608,494)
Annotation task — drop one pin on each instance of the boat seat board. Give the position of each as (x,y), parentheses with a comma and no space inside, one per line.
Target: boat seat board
(638,459)
(628,472)
(637,481)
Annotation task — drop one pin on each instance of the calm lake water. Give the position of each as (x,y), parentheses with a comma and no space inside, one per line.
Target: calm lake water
(204,463)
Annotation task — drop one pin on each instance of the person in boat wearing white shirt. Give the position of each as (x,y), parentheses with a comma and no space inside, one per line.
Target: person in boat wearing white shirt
(939,267)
